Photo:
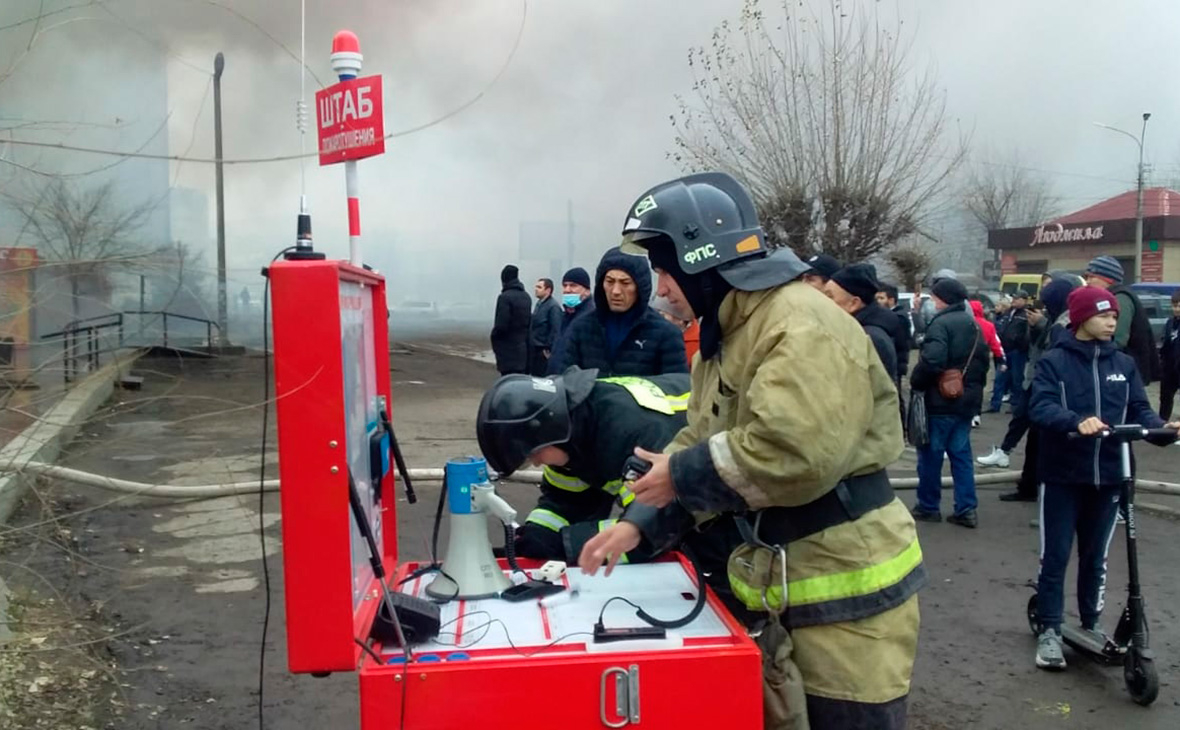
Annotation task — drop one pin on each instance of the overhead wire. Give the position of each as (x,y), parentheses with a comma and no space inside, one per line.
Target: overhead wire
(300,155)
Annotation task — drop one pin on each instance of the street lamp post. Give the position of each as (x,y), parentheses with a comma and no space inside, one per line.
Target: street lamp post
(222,316)
(1139,194)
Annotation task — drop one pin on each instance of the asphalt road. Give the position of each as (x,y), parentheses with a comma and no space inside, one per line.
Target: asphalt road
(181,584)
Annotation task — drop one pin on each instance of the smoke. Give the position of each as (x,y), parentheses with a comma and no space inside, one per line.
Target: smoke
(579,116)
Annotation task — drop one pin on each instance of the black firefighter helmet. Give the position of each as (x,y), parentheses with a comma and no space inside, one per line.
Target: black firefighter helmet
(520,414)
(711,221)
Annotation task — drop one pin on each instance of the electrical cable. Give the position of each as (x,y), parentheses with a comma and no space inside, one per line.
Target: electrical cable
(681,622)
(399,460)
(508,636)
(435,565)
(369,650)
(262,477)
(378,566)
(283,158)
(510,550)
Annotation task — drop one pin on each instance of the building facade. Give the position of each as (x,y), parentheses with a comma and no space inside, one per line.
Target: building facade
(1107,228)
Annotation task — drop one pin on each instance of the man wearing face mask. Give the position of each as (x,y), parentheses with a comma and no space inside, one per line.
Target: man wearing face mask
(624,335)
(576,302)
(791,422)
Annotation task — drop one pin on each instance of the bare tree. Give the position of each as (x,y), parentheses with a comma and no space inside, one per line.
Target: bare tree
(86,233)
(841,145)
(1003,194)
(181,280)
(911,263)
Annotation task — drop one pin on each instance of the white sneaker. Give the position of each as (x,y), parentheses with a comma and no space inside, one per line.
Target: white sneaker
(1007,397)
(976,421)
(996,458)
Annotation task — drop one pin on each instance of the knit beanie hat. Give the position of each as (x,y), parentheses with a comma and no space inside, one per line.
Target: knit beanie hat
(1087,302)
(859,280)
(1107,267)
(950,291)
(576,275)
(509,273)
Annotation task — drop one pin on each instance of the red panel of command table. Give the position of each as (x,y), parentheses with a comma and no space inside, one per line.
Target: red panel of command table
(331,364)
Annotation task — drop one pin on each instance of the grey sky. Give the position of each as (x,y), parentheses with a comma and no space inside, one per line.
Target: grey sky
(582,112)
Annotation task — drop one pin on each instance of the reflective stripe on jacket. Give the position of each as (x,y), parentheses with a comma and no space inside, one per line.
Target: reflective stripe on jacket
(796,400)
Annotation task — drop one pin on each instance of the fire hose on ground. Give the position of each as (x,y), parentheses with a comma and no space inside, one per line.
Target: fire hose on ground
(211,491)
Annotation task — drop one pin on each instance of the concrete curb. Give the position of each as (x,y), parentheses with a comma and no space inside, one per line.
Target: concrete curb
(44,440)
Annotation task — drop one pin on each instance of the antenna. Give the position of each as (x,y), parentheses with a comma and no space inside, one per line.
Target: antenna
(303,243)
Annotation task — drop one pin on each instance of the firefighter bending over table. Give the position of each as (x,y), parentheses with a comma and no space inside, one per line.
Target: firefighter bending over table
(582,429)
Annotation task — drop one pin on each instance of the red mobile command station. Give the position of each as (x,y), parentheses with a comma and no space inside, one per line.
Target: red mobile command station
(485,663)
(494,665)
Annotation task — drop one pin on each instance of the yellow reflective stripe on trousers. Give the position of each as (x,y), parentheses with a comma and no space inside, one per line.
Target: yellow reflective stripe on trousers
(861,582)
(602,525)
(547,518)
(563,481)
(650,396)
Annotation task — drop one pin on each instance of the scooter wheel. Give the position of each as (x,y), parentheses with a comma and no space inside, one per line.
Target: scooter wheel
(1034,623)
(1142,682)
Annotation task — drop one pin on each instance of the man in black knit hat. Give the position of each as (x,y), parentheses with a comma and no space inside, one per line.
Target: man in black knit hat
(854,289)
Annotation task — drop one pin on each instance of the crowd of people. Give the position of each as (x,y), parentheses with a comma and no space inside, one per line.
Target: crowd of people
(794,408)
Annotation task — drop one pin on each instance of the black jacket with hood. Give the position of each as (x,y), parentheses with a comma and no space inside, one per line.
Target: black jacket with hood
(510,334)
(651,345)
(949,339)
(568,317)
(882,326)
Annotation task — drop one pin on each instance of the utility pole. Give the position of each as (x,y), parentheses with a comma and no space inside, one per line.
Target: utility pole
(1139,207)
(1138,274)
(222,318)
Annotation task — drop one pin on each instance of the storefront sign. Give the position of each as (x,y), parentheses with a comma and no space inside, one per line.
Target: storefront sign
(1153,267)
(1057,233)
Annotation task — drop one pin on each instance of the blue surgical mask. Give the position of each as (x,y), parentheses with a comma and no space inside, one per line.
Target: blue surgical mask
(571,300)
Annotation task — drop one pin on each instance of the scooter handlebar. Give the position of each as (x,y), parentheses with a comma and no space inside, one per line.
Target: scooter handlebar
(1131,432)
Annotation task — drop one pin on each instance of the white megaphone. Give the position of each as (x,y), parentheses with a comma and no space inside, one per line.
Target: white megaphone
(469,570)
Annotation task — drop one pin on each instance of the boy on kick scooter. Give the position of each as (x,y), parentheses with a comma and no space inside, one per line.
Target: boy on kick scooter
(1086,386)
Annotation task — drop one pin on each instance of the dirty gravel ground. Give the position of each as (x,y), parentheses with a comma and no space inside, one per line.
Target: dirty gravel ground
(177,586)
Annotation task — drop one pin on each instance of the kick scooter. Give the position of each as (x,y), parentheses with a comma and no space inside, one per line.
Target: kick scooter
(1129,643)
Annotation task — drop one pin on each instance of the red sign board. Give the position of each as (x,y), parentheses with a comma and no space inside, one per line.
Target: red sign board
(350,120)
(1153,267)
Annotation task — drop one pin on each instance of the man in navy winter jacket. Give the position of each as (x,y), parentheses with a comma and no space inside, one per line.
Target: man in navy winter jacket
(623,335)
(1082,384)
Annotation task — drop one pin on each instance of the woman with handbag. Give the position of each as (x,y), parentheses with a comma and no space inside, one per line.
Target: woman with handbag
(951,372)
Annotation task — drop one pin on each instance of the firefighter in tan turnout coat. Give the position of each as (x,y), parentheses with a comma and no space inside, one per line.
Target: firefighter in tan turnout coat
(791,423)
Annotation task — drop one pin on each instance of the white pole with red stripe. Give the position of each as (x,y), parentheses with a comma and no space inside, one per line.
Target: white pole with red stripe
(346,62)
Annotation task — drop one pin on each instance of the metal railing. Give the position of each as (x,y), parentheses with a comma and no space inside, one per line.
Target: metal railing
(81,338)
(209,324)
(85,332)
